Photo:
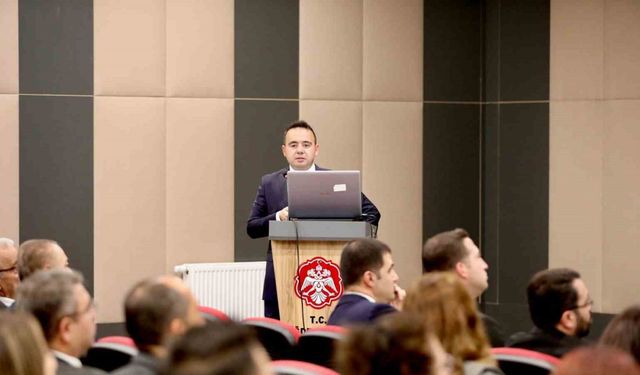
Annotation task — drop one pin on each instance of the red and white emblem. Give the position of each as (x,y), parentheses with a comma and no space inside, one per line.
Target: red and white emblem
(318,282)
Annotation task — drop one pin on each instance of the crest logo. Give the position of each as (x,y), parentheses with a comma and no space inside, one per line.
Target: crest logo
(318,282)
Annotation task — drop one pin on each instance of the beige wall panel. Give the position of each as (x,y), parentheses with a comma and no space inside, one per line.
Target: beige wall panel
(392,59)
(9,167)
(392,178)
(129,47)
(575,190)
(338,126)
(622,49)
(129,172)
(200,48)
(331,49)
(9,47)
(577,49)
(621,211)
(199,181)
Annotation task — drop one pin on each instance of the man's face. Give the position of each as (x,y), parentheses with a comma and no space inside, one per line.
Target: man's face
(384,287)
(475,278)
(300,148)
(583,309)
(9,279)
(83,326)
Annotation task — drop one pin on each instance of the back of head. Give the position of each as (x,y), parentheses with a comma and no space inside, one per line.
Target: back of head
(149,308)
(395,344)
(623,332)
(359,256)
(33,255)
(550,293)
(442,251)
(597,361)
(443,301)
(217,348)
(49,296)
(22,348)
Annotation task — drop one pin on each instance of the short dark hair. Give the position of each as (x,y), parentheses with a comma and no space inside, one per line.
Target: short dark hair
(623,332)
(302,125)
(550,293)
(215,348)
(359,256)
(32,256)
(444,250)
(149,308)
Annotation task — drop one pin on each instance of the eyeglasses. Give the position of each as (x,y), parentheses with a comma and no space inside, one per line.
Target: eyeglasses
(588,303)
(10,269)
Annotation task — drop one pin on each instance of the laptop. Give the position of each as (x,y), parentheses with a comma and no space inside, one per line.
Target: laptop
(324,195)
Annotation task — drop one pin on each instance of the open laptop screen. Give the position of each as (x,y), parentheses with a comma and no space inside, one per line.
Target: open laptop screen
(324,195)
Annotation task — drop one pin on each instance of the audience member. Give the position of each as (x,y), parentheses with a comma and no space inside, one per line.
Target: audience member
(398,344)
(623,332)
(560,308)
(22,347)
(600,360)
(157,310)
(9,279)
(218,348)
(450,312)
(63,307)
(456,252)
(37,255)
(369,279)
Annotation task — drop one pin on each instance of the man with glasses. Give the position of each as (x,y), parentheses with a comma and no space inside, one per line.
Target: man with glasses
(9,279)
(65,311)
(560,308)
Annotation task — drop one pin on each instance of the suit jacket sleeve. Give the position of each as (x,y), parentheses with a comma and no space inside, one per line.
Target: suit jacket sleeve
(372,215)
(258,223)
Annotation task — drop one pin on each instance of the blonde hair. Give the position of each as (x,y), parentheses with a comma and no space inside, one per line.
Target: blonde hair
(452,315)
(22,346)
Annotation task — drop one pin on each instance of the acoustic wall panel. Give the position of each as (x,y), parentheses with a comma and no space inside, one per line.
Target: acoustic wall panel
(391,159)
(130,47)
(621,49)
(200,48)
(9,47)
(199,175)
(9,167)
(392,43)
(338,126)
(130,197)
(56,175)
(576,49)
(331,49)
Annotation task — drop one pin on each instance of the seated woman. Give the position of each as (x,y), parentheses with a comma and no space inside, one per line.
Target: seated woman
(399,343)
(623,332)
(450,312)
(23,350)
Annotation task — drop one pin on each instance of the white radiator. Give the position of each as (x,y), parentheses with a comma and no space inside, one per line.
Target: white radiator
(234,288)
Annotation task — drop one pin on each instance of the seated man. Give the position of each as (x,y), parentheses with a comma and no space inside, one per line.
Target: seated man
(35,255)
(9,279)
(65,311)
(369,281)
(560,308)
(157,310)
(454,251)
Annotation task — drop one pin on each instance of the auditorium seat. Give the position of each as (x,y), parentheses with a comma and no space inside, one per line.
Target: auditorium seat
(317,345)
(277,337)
(516,361)
(290,367)
(110,353)
(212,314)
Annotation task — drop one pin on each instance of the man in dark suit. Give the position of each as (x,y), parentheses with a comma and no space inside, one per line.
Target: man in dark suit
(300,148)
(370,285)
(65,311)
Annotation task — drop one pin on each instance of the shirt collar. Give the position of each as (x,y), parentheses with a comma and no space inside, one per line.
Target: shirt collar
(7,301)
(70,360)
(365,296)
(311,169)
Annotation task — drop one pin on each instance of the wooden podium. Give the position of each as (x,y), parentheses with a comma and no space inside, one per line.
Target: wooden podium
(306,299)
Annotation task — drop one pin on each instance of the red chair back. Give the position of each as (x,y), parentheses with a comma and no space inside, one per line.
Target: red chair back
(517,361)
(110,353)
(289,367)
(213,314)
(318,345)
(277,337)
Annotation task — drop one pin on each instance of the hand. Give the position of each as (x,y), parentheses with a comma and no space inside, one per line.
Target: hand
(399,297)
(283,214)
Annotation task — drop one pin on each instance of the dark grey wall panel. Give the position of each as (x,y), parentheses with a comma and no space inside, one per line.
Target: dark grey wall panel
(524,50)
(56,175)
(266,48)
(259,126)
(491,51)
(490,245)
(451,168)
(56,46)
(452,50)
(523,197)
